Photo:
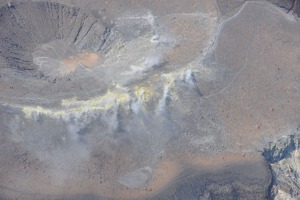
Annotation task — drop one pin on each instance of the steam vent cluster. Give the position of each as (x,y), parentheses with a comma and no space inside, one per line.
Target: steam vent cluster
(125,100)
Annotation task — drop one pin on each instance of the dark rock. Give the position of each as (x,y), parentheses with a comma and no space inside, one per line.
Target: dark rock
(283,157)
(239,181)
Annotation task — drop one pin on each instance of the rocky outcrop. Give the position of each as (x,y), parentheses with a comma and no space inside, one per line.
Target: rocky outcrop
(284,156)
(243,181)
(288,5)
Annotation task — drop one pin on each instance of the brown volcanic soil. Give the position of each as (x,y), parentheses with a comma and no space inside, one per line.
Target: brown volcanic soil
(261,95)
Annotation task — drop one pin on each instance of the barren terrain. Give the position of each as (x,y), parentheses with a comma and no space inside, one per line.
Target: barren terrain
(139,99)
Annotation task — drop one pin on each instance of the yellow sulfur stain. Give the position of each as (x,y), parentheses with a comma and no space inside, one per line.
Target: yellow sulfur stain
(144,94)
(29,111)
(74,107)
(169,80)
(110,100)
